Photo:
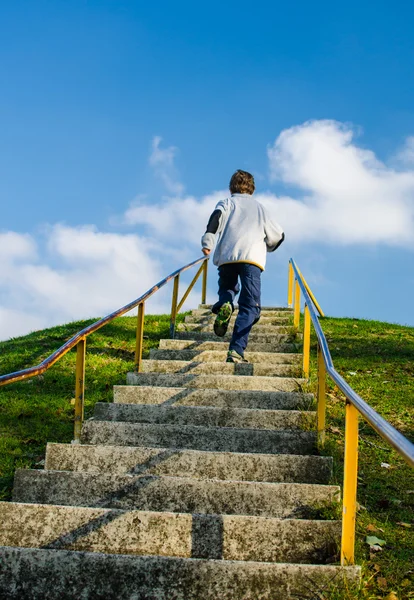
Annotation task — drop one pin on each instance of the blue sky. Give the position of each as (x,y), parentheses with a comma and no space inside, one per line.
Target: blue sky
(91,196)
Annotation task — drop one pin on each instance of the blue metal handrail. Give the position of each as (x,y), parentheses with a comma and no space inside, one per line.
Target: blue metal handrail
(73,341)
(391,435)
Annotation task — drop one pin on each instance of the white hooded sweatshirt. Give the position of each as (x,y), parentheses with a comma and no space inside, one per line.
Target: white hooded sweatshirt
(243,232)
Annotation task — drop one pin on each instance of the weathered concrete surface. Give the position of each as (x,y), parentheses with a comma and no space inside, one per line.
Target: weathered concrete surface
(209,356)
(265,319)
(220,368)
(229,537)
(213,344)
(261,337)
(212,439)
(266,313)
(264,309)
(171,494)
(258,328)
(224,382)
(120,460)
(207,416)
(174,396)
(27,575)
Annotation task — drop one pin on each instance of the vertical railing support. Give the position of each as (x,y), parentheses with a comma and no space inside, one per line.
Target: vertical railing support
(296,306)
(321,409)
(290,285)
(79,388)
(204,287)
(350,485)
(140,337)
(174,305)
(306,342)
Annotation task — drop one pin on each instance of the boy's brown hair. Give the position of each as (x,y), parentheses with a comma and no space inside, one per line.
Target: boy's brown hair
(242,182)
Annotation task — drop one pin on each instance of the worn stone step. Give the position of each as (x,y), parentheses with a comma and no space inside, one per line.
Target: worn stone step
(265,313)
(260,337)
(259,328)
(27,573)
(220,368)
(201,345)
(263,308)
(264,320)
(229,382)
(169,396)
(117,531)
(215,439)
(172,494)
(209,356)
(207,416)
(122,460)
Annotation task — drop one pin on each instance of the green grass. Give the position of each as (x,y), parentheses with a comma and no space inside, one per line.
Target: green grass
(377,359)
(40,410)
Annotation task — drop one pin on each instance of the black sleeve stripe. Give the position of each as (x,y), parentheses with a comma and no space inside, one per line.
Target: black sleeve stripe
(281,240)
(273,248)
(213,222)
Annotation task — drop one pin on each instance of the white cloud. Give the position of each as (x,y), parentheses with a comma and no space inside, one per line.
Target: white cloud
(16,322)
(94,273)
(14,246)
(162,160)
(406,155)
(175,221)
(348,195)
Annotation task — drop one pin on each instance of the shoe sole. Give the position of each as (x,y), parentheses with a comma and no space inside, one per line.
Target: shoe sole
(222,322)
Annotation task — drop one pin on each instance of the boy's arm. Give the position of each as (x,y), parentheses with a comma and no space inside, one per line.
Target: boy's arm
(274,234)
(213,226)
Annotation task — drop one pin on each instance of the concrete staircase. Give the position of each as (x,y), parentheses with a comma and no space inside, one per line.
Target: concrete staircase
(201,481)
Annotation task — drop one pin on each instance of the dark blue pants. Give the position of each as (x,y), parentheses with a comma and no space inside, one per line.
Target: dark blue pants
(249,299)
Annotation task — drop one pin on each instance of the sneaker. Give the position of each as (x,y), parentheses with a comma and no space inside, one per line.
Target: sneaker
(223,319)
(235,357)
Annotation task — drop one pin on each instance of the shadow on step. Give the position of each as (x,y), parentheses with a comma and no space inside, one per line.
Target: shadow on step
(153,461)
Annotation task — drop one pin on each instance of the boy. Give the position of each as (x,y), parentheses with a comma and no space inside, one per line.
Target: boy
(244,234)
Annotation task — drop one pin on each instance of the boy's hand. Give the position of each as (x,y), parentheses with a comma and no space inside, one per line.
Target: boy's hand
(206,251)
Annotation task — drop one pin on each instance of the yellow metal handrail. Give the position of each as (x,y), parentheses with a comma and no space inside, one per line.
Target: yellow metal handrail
(354,407)
(79,339)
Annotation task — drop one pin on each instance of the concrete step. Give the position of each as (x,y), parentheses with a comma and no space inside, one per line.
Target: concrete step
(27,573)
(264,320)
(122,460)
(231,537)
(202,345)
(214,439)
(260,337)
(207,416)
(169,396)
(263,308)
(209,356)
(258,328)
(220,368)
(223,382)
(172,494)
(265,313)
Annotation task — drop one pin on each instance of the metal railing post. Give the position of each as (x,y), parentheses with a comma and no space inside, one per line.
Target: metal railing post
(204,287)
(174,305)
(350,485)
(321,408)
(140,337)
(79,388)
(296,306)
(190,287)
(290,285)
(306,342)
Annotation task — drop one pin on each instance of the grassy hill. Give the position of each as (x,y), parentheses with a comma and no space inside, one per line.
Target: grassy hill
(377,359)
